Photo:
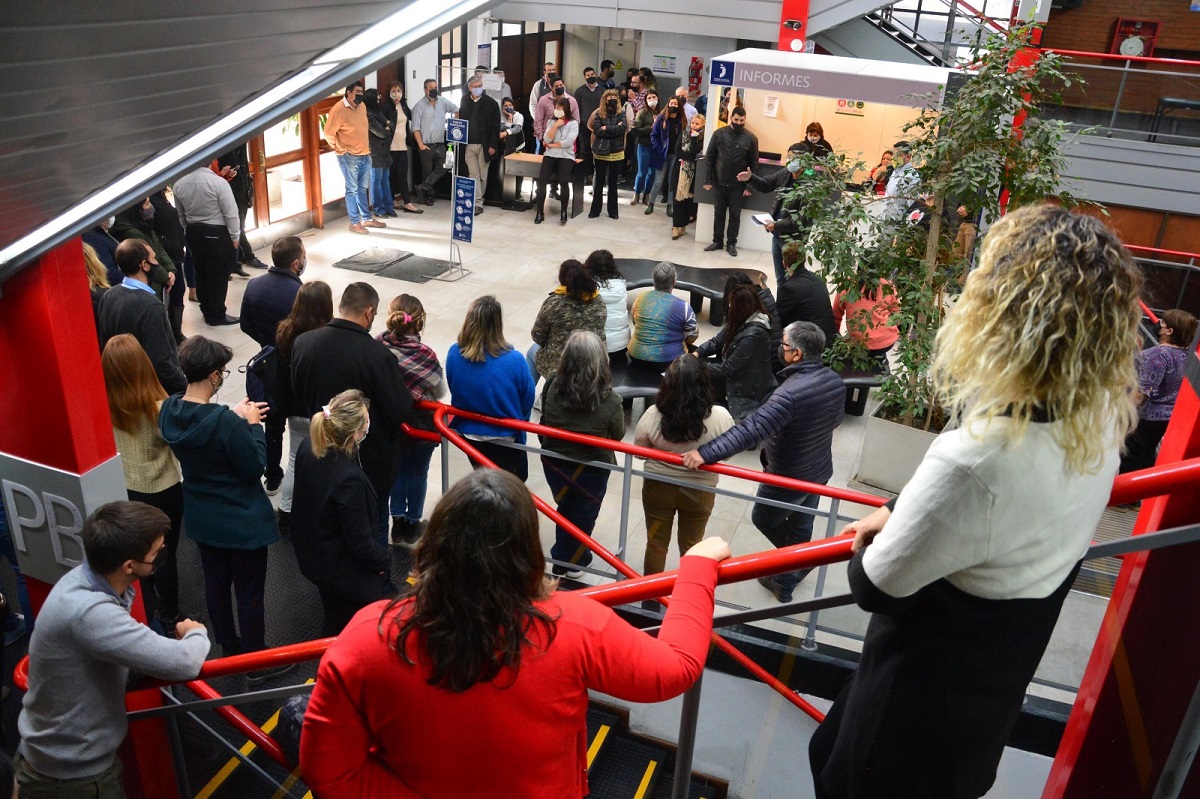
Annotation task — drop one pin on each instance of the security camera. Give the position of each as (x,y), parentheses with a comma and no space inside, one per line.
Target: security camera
(793,24)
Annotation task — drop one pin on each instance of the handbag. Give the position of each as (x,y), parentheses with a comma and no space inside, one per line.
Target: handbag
(602,146)
(265,380)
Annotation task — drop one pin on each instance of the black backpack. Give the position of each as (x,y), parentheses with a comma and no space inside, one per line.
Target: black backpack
(266,380)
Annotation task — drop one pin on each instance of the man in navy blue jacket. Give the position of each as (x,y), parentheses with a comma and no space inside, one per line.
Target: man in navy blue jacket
(797,423)
(268,299)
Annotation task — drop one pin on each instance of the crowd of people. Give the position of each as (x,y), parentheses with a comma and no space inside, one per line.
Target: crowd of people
(482,640)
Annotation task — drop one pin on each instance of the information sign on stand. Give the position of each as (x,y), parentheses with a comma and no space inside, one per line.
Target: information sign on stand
(456,131)
(464,208)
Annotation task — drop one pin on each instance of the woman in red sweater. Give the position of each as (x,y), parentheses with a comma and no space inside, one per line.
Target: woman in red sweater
(476,683)
(867,317)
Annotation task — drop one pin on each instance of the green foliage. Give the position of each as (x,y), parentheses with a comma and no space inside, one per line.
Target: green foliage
(968,153)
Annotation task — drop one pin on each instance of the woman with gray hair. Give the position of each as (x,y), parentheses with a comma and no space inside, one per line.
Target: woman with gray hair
(579,398)
(663,324)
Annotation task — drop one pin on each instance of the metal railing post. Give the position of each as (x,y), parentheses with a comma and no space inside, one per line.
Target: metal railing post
(182,782)
(1112,123)
(810,635)
(445,445)
(688,717)
(626,485)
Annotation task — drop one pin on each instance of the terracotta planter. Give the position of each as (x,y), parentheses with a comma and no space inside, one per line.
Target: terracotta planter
(890,453)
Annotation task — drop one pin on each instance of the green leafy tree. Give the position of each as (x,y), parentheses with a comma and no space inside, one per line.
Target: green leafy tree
(967,153)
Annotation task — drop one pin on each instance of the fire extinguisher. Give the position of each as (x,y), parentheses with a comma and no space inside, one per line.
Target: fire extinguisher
(695,75)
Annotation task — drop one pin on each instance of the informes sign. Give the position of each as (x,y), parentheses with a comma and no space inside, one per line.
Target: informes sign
(722,73)
(464,208)
(456,131)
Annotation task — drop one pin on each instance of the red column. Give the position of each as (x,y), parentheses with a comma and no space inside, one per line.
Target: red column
(793,25)
(55,413)
(1145,667)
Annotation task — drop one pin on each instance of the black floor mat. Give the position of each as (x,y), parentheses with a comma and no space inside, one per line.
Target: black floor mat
(415,269)
(373,260)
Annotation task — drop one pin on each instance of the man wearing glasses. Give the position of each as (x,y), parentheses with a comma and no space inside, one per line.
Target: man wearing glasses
(132,307)
(80,655)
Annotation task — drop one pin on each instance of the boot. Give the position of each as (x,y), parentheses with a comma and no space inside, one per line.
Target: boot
(649,208)
(637,199)
(563,217)
(192,295)
(677,232)
(539,217)
(175,314)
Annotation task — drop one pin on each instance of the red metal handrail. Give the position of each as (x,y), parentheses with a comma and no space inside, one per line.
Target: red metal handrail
(1149,313)
(1161,251)
(1181,62)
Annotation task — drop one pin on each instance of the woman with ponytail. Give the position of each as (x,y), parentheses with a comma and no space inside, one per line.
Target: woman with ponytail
(335,513)
(425,379)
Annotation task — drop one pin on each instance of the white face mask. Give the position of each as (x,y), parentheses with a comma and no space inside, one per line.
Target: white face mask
(112,220)
(397,97)
(558,113)
(652,102)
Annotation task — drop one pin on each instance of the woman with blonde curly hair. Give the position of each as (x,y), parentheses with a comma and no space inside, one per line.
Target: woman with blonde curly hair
(336,513)
(966,571)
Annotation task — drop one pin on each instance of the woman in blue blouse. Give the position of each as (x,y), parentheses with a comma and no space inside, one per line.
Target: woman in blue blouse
(1160,373)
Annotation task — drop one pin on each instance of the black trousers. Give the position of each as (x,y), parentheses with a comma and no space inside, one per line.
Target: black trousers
(555,171)
(245,254)
(275,423)
(1141,447)
(215,256)
(399,175)
(683,212)
(512,460)
(608,173)
(727,199)
(338,612)
(162,596)
(433,166)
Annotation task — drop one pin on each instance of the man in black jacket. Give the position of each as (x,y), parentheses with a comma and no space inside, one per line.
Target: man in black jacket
(731,150)
(483,135)
(267,301)
(804,297)
(587,97)
(132,307)
(797,423)
(343,355)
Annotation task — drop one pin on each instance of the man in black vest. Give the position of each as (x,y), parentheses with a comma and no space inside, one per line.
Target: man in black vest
(267,301)
(343,355)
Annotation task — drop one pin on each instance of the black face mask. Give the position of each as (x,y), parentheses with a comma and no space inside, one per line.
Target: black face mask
(737,126)
(431,94)
(612,106)
(559,91)
(591,80)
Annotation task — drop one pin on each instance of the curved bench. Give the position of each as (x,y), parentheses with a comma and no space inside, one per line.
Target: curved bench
(700,282)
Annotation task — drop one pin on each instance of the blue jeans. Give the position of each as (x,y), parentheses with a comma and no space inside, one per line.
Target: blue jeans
(645,174)
(382,199)
(408,492)
(356,169)
(530,354)
(785,527)
(578,492)
(777,258)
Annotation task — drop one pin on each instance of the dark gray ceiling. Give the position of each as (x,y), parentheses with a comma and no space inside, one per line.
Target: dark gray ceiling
(91,89)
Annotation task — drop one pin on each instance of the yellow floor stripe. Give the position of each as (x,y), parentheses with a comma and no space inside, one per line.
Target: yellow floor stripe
(645,786)
(285,789)
(222,775)
(597,742)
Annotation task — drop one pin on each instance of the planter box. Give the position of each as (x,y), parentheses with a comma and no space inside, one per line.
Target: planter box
(890,453)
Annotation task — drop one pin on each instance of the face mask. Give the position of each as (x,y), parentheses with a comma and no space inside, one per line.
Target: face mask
(476,91)
(612,106)
(112,220)
(431,94)
(508,109)
(737,126)
(303,266)
(793,165)
(558,92)
(814,138)
(356,98)
(591,80)
(397,97)
(366,430)
(652,103)
(148,213)
(558,113)
(673,111)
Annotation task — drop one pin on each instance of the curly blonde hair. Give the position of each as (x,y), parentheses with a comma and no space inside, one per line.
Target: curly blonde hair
(1046,327)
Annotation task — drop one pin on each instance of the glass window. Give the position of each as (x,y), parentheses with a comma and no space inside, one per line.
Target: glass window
(512,28)
(286,192)
(283,137)
(333,183)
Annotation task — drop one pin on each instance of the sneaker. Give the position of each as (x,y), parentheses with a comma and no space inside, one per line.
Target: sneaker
(262,675)
(772,584)
(571,573)
(273,486)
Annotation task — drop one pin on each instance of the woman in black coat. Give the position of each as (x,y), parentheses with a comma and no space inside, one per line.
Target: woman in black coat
(742,352)
(335,514)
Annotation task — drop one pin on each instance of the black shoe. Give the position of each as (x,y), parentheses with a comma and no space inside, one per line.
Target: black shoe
(283,519)
(240,272)
(478,210)
(401,531)
(427,197)
(262,675)
(539,218)
(732,250)
(614,215)
(714,247)
(593,214)
(563,218)
(772,584)
(649,209)
(570,573)
(273,486)
(222,320)
(255,263)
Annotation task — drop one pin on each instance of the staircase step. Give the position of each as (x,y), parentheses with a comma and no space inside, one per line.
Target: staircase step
(630,770)
(697,788)
(602,726)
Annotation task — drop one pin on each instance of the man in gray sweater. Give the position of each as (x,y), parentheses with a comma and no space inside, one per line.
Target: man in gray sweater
(86,642)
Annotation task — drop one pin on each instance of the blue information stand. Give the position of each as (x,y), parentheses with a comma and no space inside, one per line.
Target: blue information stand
(464,208)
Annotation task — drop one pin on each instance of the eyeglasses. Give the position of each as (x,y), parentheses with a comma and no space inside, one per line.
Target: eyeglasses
(153,564)
(224,373)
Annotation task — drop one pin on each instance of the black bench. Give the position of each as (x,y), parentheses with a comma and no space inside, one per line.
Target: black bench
(1165,106)
(859,383)
(698,281)
(632,383)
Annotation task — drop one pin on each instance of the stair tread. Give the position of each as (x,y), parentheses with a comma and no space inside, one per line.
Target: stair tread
(629,770)
(697,789)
